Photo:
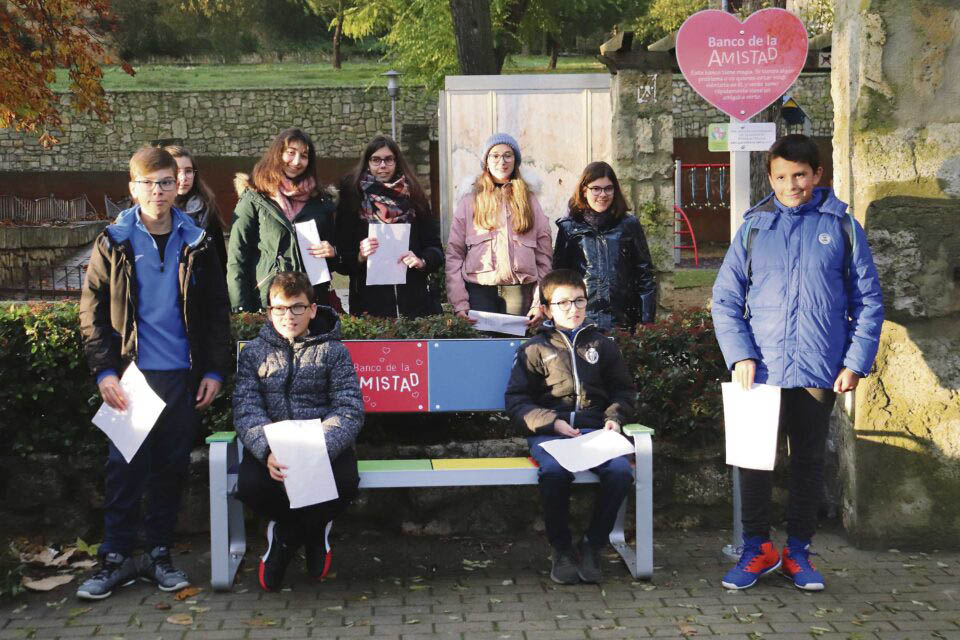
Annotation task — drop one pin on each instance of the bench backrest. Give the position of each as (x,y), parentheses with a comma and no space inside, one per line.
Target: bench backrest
(412,376)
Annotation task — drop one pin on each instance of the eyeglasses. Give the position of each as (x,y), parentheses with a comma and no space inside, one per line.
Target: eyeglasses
(387,161)
(278,310)
(497,157)
(604,190)
(167,184)
(564,305)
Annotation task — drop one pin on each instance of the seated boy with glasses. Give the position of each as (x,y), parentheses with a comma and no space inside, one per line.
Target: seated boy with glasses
(296,369)
(569,380)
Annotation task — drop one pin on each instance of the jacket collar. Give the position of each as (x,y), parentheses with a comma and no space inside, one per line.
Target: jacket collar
(129,220)
(765,212)
(323,328)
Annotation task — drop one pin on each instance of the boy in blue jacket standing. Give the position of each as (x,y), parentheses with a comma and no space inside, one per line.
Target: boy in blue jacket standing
(796,304)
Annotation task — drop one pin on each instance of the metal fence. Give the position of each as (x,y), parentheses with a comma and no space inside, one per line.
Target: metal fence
(51,282)
(50,209)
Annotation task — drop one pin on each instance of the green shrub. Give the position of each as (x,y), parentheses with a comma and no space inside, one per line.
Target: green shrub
(49,395)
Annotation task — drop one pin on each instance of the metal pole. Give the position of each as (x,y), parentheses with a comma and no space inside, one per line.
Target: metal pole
(393,117)
(735,548)
(678,199)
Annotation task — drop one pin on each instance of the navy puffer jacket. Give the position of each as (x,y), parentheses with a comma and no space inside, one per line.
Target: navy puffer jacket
(803,318)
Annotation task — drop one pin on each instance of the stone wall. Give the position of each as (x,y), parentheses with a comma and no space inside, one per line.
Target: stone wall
(41,247)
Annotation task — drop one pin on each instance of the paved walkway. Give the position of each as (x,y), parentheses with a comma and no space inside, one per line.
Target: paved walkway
(471,588)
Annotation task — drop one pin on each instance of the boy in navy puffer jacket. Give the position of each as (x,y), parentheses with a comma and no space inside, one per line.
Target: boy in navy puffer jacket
(796,304)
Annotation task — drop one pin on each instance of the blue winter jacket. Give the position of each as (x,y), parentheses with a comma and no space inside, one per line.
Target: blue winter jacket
(802,319)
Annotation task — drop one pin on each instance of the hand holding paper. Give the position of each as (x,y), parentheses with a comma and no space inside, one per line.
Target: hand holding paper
(750,421)
(128,428)
(301,447)
(498,322)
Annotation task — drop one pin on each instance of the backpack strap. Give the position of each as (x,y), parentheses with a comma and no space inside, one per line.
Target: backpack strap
(849,243)
(747,238)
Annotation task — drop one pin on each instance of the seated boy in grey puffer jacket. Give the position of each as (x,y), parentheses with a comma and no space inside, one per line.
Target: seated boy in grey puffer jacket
(296,369)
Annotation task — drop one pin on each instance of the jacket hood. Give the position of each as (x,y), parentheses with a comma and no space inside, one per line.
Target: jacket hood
(127,220)
(323,328)
(827,202)
(531,177)
(241,183)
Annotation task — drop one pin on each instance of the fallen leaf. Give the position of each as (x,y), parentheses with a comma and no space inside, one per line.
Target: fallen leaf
(261,622)
(199,609)
(83,564)
(58,603)
(180,618)
(79,611)
(187,592)
(413,621)
(45,584)
(162,606)
(89,549)
(686,630)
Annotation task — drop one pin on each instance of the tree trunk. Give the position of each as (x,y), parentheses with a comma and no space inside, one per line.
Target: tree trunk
(337,37)
(554,47)
(473,31)
(511,25)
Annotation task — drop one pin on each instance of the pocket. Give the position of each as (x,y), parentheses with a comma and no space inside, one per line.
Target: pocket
(525,256)
(480,258)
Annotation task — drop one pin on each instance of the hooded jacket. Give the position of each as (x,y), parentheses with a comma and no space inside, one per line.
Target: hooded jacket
(108,302)
(802,319)
(584,382)
(615,263)
(263,243)
(311,378)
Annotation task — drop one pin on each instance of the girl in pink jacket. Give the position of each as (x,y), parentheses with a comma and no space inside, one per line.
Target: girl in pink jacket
(499,244)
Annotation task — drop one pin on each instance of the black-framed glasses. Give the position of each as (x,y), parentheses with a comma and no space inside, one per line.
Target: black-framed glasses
(579,303)
(389,160)
(279,310)
(608,190)
(167,184)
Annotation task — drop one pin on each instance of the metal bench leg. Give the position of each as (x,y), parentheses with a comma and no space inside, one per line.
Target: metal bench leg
(643,444)
(735,548)
(227,533)
(619,541)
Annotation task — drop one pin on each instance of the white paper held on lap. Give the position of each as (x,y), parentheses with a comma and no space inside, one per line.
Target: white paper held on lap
(300,446)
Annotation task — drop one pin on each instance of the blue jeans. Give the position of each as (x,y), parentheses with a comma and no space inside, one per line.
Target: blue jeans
(156,472)
(616,477)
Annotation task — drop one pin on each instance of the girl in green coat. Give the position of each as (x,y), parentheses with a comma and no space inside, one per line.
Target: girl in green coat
(282,191)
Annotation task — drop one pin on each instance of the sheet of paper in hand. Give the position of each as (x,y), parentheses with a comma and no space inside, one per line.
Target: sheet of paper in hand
(307,234)
(750,422)
(384,266)
(301,446)
(499,322)
(588,451)
(128,429)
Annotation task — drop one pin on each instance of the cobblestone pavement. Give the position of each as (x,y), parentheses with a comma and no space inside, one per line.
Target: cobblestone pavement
(473,588)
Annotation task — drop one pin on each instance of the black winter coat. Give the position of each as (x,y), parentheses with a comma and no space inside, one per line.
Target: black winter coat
(615,263)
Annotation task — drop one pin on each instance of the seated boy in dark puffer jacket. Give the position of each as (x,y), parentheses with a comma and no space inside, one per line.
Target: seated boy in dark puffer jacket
(296,369)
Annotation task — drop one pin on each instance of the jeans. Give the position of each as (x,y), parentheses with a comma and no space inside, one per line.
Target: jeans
(616,478)
(804,420)
(156,472)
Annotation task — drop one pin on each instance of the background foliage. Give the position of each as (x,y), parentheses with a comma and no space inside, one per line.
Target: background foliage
(49,396)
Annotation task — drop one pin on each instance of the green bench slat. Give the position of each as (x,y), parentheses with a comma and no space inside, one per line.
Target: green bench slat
(636,430)
(221,436)
(393,465)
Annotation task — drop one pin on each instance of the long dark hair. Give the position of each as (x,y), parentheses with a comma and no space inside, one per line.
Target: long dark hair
(268,172)
(594,171)
(199,187)
(417,194)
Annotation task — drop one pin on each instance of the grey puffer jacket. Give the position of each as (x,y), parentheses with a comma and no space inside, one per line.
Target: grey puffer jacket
(311,378)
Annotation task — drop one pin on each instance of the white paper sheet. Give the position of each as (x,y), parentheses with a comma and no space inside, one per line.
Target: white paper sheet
(308,234)
(384,266)
(300,445)
(750,423)
(128,429)
(586,452)
(499,322)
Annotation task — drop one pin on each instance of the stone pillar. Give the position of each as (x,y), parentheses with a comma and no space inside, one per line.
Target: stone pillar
(415,144)
(897,162)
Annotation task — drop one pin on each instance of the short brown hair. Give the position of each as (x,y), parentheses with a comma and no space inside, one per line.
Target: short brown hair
(291,284)
(560,278)
(795,147)
(149,159)
(591,173)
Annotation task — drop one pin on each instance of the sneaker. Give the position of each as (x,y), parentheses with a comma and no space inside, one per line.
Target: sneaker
(589,568)
(319,556)
(797,566)
(564,570)
(759,557)
(274,562)
(157,567)
(115,569)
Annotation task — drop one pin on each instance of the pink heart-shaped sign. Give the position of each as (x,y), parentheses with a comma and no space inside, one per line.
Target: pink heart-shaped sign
(741,68)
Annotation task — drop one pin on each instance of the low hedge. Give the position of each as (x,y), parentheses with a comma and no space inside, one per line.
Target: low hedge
(48,395)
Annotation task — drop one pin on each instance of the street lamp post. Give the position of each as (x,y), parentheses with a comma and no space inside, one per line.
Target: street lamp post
(393,88)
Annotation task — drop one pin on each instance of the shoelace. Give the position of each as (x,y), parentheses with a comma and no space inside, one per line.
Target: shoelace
(802,556)
(748,556)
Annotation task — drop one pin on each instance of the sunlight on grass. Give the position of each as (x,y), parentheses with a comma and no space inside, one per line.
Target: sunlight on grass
(690,278)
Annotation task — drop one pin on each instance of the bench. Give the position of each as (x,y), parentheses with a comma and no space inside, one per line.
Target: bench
(419,376)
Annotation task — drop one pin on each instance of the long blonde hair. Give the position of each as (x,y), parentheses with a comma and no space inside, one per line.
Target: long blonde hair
(486,210)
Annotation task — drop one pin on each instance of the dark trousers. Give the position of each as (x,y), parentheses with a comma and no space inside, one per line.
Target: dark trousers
(616,477)
(156,472)
(267,497)
(804,421)
(514,299)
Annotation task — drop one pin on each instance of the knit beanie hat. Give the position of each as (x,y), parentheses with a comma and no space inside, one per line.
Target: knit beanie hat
(502,138)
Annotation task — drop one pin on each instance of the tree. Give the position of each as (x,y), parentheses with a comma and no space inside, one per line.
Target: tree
(36,38)
(335,11)
(473,30)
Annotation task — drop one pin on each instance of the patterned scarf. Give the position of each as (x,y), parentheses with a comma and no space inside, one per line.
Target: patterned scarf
(386,201)
(292,196)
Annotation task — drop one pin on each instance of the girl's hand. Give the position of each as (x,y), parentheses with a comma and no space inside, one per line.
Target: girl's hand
(275,468)
(534,317)
(368,247)
(465,316)
(322,250)
(563,428)
(412,261)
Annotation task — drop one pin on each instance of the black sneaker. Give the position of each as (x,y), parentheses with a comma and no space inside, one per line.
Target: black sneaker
(274,562)
(115,569)
(157,567)
(319,555)
(589,568)
(564,570)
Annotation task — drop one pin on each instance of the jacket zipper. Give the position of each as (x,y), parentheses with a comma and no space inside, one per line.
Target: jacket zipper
(573,364)
(289,381)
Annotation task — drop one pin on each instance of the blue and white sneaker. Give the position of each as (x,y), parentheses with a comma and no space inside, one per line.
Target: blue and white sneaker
(797,566)
(759,557)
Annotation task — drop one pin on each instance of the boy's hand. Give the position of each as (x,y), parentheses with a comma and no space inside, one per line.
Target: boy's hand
(112,394)
(744,372)
(563,428)
(275,468)
(208,390)
(534,317)
(322,250)
(846,381)
(611,425)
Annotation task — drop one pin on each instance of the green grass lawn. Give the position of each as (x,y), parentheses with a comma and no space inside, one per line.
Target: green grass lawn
(691,278)
(359,73)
